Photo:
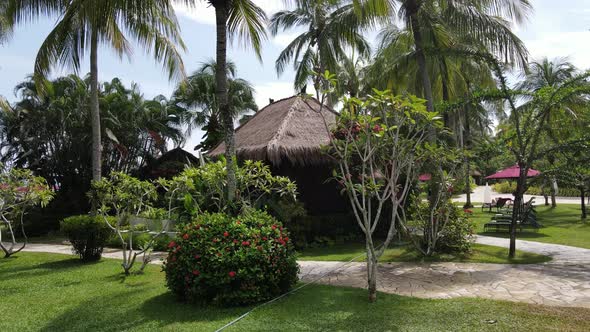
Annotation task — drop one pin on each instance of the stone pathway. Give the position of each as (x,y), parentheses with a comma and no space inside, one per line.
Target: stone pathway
(564,281)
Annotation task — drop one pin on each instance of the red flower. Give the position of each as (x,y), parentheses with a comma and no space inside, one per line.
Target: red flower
(171,244)
(185,236)
(231,274)
(236,241)
(196,272)
(246,243)
(215,240)
(286,239)
(264,238)
(197,256)
(377,128)
(226,234)
(274,227)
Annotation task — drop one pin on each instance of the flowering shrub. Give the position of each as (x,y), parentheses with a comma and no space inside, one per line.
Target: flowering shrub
(231,260)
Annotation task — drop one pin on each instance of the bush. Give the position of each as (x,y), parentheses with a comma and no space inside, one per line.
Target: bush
(231,260)
(457,234)
(87,234)
(510,187)
(139,241)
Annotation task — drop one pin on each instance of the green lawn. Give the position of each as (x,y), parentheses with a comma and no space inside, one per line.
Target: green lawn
(480,254)
(49,292)
(561,225)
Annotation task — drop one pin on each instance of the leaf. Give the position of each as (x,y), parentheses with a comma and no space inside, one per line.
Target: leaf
(111,135)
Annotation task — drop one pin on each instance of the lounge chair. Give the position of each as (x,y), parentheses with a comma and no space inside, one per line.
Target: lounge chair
(497,203)
(503,221)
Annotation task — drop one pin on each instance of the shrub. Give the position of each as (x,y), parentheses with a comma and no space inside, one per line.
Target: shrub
(456,229)
(231,260)
(87,234)
(510,187)
(457,234)
(140,240)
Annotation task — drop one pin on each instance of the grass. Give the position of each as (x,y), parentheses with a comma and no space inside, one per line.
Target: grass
(561,225)
(480,254)
(49,292)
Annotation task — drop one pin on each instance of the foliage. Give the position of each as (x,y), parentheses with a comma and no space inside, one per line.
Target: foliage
(202,189)
(198,95)
(87,234)
(231,260)
(510,187)
(124,196)
(20,190)
(377,142)
(332,27)
(50,134)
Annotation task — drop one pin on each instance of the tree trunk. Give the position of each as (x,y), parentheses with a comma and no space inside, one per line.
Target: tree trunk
(94,109)
(371,274)
(466,143)
(583,201)
(221,16)
(517,208)
(413,7)
(553,193)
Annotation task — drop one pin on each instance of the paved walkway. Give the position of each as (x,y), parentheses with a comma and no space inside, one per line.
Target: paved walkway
(564,281)
(477,196)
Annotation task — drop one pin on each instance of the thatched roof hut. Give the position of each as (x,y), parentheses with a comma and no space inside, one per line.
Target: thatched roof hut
(292,129)
(168,165)
(288,135)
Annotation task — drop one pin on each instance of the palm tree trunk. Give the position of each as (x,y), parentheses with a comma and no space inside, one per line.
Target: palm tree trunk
(221,15)
(94,109)
(467,145)
(413,7)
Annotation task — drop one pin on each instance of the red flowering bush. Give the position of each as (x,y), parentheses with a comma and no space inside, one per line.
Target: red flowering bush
(231,260)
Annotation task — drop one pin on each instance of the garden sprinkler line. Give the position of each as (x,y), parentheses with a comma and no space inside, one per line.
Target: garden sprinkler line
(291,291)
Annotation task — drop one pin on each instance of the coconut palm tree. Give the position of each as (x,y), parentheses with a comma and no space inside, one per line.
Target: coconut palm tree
(198,95)
(246,21)
(83,25)
(484,21)
(5,27)
(332,27)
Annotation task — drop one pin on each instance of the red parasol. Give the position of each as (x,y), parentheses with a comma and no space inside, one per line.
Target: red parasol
(512,173)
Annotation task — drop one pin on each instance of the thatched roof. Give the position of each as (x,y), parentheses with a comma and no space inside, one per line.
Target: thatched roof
(289,129)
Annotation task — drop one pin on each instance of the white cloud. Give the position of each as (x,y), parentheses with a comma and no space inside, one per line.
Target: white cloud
(563,44)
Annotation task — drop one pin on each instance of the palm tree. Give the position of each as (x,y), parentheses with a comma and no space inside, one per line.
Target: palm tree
(332,28)
(484,21)
(5,27)
(552,73)
(246,21)
(198,95)
(82,25)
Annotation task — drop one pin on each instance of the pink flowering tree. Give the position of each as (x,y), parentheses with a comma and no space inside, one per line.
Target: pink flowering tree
(20,190)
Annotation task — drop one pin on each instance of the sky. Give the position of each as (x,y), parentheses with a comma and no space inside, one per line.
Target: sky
(555,29)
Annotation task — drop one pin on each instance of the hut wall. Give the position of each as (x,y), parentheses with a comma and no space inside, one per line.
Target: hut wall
(317,191)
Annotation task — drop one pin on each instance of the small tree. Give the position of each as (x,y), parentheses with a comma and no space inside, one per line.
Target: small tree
(123,197)
(377,142)
(20,190)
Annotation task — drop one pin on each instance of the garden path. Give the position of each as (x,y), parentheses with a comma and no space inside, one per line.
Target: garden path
(564,281)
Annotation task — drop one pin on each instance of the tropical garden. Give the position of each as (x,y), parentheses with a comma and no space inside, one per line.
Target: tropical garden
(101,230)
